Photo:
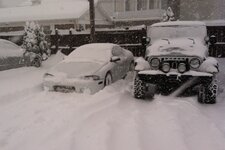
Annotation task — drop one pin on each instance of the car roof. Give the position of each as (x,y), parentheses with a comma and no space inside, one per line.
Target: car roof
(98,51)
(99,45)
(179,23)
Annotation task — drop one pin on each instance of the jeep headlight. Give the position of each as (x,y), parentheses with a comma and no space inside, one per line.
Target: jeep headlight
(195,63)
(155,62)
(166,67)
(182,67)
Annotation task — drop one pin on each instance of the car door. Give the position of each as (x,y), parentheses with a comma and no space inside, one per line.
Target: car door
(119,65)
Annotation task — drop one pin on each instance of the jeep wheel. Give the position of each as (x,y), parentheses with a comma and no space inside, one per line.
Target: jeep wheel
(139,88)
(207,94)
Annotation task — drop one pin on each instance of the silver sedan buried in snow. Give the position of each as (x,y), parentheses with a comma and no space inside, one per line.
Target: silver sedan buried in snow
(89,68)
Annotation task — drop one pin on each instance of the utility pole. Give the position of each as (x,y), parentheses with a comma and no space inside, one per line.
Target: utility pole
(92,20)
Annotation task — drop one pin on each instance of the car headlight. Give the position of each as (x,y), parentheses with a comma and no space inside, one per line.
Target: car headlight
(91,77)
(166,67)
(182,67)
(48,75)
(195,63)
(155,62)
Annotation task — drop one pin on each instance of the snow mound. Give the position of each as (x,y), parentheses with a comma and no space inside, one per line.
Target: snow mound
(210,65)
(141,64)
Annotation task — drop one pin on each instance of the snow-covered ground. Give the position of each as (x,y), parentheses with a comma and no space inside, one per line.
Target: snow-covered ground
(33,119)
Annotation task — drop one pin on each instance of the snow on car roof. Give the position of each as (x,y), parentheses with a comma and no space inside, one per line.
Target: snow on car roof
(94,51)
(45,11)
(179,23)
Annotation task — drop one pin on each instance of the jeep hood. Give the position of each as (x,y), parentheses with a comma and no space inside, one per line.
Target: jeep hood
(178,47)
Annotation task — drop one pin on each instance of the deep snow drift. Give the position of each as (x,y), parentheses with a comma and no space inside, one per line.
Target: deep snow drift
(33,119)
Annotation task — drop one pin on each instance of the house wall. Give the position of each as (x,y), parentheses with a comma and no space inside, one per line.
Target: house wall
(198,9)
(131,12)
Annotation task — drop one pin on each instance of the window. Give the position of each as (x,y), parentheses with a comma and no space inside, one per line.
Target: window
(64,26)
(119,5)
(154,4)
(129,5)
(141,4)
(11,29)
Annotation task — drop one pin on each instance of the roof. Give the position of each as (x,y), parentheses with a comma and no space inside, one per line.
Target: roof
(179,23)
(54,10)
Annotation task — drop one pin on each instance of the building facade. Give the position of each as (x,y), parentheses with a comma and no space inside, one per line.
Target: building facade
(136,12)
(66,14)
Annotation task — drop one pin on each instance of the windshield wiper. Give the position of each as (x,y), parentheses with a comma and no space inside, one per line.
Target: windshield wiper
(166,40)
(192,40)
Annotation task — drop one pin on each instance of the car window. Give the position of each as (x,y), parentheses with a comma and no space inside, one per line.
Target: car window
(117,51)
(8,49)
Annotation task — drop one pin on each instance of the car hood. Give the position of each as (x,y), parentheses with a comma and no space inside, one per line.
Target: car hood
(75,69)
(176,47)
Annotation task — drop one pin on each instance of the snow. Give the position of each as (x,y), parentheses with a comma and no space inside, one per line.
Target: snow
(141,64)
(178,46)
(109,120)
(96,51)
(215,22)
(175,72)
(210,65)
(9,49)
(179,23)
(45,11)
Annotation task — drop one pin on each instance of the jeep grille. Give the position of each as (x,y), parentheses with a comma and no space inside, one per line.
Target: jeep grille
(173,61)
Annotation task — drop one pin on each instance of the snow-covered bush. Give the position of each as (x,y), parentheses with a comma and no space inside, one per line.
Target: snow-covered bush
(168,15)
(34,40)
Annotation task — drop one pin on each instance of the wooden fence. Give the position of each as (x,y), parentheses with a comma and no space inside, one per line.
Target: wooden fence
(129,39)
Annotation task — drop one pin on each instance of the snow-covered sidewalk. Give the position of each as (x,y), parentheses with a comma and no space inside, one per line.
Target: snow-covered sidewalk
(33,119)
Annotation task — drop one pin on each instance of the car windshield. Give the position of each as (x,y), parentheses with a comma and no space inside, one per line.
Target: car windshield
(92,52)
(76,69)
(164,32)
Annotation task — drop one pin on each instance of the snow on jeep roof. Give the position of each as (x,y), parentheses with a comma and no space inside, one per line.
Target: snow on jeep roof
(179,23)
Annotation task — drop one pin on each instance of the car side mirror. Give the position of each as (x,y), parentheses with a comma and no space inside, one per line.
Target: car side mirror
(212,39)
(114,59)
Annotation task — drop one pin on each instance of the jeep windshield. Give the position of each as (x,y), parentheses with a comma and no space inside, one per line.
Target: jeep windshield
(177,31)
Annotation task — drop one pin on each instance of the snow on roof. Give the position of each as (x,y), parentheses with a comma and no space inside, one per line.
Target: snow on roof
(215,22)
(179,23)
(96,51)
(53,10)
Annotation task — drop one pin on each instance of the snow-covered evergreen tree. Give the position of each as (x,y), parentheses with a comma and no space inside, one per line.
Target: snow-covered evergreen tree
(34,40)
(168,15)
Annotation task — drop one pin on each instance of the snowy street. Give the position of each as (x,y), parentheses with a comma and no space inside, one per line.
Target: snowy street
(33,119)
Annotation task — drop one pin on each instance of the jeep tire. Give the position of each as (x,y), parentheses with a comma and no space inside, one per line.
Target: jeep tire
(207,93)
(139,88)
